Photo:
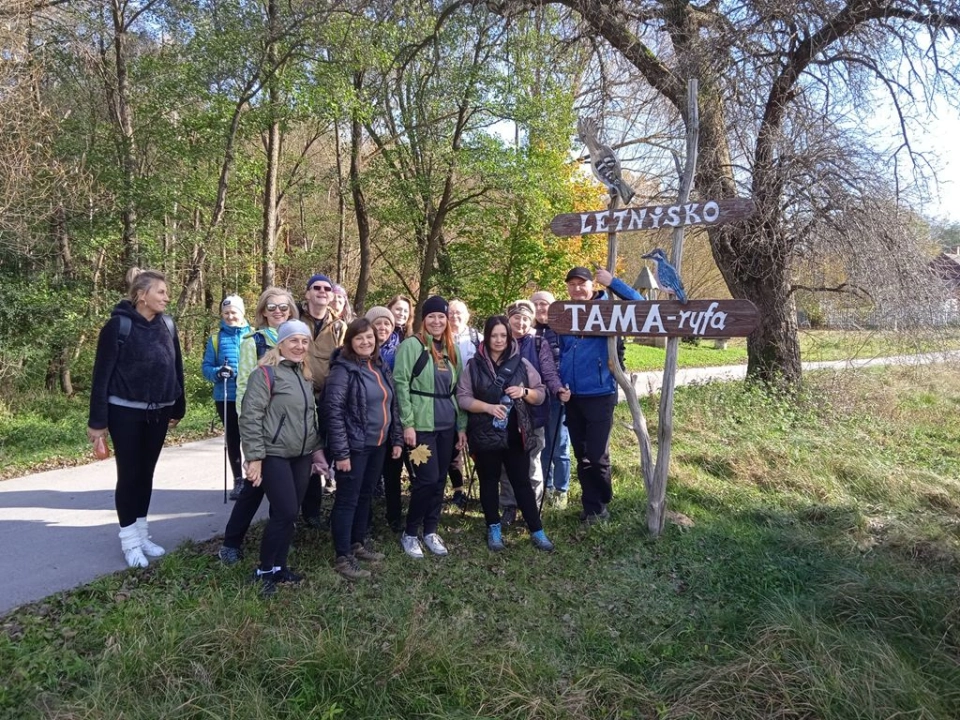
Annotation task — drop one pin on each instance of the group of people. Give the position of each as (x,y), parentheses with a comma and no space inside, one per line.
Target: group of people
(310,393)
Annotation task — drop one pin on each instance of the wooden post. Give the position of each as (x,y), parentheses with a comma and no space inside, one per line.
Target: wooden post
(639,425)
(657,489)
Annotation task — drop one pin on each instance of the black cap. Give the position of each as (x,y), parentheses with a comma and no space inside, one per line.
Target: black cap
(579,273)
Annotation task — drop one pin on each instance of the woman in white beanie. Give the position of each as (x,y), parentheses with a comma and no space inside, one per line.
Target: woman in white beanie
(221,359)
(278,425)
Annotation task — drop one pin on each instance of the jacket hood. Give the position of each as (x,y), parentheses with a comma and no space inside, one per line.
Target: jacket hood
(128,309)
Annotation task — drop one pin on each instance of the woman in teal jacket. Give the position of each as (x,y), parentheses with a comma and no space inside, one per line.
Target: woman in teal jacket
(426,371)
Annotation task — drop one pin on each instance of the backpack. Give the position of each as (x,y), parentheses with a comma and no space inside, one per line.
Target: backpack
(126,325)
(269,375)
(418,367)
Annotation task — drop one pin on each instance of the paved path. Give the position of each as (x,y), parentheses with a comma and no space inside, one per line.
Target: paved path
(59,528)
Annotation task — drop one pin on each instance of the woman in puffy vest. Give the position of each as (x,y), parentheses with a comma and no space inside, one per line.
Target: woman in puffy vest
(496,371)
(220,362)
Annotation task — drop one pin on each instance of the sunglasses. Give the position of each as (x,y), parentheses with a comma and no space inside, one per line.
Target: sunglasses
(321,288)
(275,306)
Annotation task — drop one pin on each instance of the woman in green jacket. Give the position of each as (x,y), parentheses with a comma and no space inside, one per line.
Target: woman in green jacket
(278,426)
(425,372)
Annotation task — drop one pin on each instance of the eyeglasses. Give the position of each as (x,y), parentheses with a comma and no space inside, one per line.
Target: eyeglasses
(321,288)
(277,306)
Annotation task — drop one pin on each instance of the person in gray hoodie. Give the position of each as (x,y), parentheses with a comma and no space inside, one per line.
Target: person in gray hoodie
(278,426)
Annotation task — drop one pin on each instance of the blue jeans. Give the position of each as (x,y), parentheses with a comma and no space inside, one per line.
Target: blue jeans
(556,474)
(350,516)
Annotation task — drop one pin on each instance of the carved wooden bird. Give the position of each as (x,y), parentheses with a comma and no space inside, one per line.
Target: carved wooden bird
(603,162)
(667,276)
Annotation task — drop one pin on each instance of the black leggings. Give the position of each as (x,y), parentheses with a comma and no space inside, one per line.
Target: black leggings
(517,463)
(138,437)
(284,481)
(429,478)
(392,491)
(232,424)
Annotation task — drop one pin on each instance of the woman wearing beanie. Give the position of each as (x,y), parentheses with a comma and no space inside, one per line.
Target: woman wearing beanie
(278,425)
(220,362)
(426,374)
(362,425)
(135,395)
(497,371)
(274,308)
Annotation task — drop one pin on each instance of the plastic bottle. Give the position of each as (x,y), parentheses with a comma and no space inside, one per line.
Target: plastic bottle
(507,402)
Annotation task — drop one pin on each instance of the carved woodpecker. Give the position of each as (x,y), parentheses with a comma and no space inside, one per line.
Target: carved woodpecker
(603,162)
(667,276)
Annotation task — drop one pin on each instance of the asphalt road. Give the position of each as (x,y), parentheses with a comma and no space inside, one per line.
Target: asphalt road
(60,527)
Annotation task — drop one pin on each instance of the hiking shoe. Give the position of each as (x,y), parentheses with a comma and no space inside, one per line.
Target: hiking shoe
(348,566)
(314,522)
(594,518)
(229,555)
(411,545)
(329,486)
(362,552)
(434,544)
(459,499)
(495,538)
(559,500)
(287,576)
(267,582)
(237,489)
(541,541)
(509,516)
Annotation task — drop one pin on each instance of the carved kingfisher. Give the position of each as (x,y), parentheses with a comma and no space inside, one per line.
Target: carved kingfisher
(667,276)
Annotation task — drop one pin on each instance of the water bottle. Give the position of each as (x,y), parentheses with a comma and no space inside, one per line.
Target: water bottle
(507,402)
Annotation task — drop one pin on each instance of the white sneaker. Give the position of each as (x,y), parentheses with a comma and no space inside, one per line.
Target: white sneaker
(411,546)
(150,549)
(434,544)
(130,544)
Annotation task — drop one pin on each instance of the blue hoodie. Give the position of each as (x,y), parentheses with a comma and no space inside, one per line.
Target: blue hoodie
(584,361)
(227,351)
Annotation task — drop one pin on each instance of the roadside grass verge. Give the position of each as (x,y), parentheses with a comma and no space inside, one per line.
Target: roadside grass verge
(811,573)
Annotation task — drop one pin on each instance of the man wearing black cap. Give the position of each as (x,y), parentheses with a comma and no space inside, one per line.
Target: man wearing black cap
(590,394)
(328,333)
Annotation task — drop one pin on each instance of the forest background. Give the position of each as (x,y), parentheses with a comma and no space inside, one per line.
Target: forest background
(423,147)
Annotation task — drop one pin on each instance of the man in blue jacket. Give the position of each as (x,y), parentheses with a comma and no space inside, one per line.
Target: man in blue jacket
(590,394)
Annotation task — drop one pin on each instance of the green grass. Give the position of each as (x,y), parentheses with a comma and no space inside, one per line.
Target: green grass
(816,579)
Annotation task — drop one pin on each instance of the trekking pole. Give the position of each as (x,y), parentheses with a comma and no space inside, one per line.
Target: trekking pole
(226,451)
(553,450)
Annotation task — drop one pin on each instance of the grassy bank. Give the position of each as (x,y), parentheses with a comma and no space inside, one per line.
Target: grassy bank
(813,575)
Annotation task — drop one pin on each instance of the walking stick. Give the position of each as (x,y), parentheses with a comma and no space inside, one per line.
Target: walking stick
(226,451)
(553,450)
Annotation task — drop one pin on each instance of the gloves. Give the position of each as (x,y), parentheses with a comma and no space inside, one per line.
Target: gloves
(225,372)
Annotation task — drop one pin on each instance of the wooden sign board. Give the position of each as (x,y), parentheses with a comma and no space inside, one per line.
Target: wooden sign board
(654,217)
(696,318)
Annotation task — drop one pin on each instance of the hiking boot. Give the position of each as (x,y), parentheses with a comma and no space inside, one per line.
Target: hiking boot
(267,581)
(229,555)
(411,546)
(495,538)
(560,500)
(509,516)
(594,518)
(434,544)
(541,541)
(348,566)
(459,499)
(287,576)
(362,552)
(314,522)
(237,489)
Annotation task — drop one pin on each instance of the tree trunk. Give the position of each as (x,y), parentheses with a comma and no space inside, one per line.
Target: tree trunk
(360,207)
(269,248)
(123,116)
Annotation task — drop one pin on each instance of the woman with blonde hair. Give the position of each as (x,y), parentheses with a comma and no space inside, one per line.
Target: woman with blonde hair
(426,372)
(136,395)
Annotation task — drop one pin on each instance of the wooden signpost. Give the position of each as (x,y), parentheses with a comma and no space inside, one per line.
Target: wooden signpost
(696,318)
(652,217)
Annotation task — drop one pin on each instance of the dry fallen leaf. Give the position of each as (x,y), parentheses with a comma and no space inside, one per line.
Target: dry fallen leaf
(420,454)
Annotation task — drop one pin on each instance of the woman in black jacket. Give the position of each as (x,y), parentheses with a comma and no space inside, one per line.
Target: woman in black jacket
(362,422)
(136,394)
(496,390)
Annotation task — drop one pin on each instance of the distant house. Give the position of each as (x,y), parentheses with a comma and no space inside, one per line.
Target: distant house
(946,266)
